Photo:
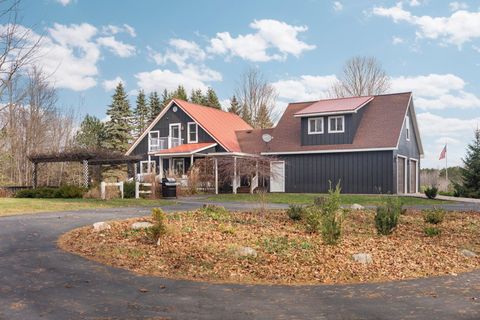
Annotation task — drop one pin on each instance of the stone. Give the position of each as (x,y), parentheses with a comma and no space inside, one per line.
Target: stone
(246,252)
(357,206)
(467,253)
(101,226)
(364,258)
(141,225)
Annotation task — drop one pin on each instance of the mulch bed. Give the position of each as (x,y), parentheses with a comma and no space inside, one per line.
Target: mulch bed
(200,248)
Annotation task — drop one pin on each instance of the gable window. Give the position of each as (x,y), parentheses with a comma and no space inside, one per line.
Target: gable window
(315,125)
(192,132)
(407,127)
(153,141)
(336,124)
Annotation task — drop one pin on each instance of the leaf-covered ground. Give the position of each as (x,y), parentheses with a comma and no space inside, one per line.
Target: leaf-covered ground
(198,247)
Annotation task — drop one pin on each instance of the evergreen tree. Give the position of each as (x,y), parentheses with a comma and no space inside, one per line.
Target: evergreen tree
(154,105)
(234,106)
(211,99)
(263,118)
(118,128)
(246,115)
(180,93)
(471,169)
(141,113)
(91,134)
(197,97)
(166,97)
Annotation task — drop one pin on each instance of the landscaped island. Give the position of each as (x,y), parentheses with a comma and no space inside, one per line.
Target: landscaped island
(212,244)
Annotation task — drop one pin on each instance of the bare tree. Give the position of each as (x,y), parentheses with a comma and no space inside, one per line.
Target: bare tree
(361,76)
(257,99)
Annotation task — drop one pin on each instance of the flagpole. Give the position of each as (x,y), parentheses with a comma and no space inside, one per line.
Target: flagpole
(446,164)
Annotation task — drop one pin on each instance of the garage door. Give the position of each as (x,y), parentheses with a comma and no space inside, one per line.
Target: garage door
(401,167)
(413,176)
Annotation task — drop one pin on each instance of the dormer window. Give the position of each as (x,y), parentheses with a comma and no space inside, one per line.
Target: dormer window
(407,127)
(315,125)
(336,124)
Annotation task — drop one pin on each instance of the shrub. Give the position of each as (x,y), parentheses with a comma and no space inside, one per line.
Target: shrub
(431,192)
(129,189)
(332,217)
(433,216)
(387,215)
(159,227)
(69,192)
(295,212)
(214,212)
(312,218)
(432,231)
(44,192)
(319,201)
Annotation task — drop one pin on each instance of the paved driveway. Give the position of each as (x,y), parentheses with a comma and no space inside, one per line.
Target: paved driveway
(39,281)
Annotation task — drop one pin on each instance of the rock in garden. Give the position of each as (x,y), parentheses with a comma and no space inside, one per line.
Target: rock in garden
(364,258)
(141,225)
(246,252)
(468,253)
(357,206)
(101,226)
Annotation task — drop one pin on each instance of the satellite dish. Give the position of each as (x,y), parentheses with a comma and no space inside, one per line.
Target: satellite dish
(266,137)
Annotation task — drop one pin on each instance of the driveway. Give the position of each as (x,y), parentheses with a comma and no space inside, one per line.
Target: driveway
(39,281)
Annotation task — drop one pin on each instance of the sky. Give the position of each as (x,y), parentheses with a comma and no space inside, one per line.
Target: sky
(431,48)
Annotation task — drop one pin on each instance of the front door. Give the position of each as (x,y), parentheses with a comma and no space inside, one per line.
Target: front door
(401,174)
(174,135)
(277,176)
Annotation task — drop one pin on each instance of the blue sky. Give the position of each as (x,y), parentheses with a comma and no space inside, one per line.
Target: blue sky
(429,47)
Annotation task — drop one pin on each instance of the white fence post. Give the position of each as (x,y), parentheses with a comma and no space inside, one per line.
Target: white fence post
(102,189)
(121,188)
(137,189)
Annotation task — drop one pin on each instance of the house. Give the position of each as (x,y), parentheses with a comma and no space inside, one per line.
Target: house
(368,144)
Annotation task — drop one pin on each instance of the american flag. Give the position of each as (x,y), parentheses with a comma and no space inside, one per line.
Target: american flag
(443,153)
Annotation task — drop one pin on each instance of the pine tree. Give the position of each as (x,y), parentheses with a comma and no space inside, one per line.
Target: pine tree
(180,93)
(234,106)
(211,99)
(246,115)
(263,118)
(154,105)
(91,134)
(197,97)
(166,97)
(141,113)
(471,169)
(118,128)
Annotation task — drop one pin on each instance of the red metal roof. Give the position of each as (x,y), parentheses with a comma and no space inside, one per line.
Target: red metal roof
(219,124)
(334,106)
(187,148)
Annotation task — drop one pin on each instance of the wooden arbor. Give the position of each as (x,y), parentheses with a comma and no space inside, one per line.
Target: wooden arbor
(98,157)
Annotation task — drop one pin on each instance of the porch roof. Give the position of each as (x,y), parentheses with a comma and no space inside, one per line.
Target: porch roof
(186,149)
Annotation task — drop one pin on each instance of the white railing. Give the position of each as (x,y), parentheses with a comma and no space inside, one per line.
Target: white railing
(164,143)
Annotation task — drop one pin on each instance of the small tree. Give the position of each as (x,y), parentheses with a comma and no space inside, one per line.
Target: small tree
(211,99)
(471,170)
(154,105)
(234,106)
(387,215)
(197,96)
(91,134)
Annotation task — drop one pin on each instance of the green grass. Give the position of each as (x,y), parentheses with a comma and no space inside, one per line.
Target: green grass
(14,206)
(307,198)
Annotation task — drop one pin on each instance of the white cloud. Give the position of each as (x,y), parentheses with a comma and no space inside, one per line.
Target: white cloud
(455,6)
(159,79)
(179,52)
(414,3)
(114,29)
(64,2)
(437,91)
(397,40)
(117,47)
(337,6)
(304,88)
(462,26)
(271,35)
(109,85)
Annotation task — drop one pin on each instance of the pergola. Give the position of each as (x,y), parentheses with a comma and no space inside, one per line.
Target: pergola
(86,157)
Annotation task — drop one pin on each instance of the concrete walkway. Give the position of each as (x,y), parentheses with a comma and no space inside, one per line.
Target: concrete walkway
(39,281)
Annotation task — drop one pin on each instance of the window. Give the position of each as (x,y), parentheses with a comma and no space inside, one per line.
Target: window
(315,125)
(192,132)
(147,167)
(153,141)
(179,166)
(407,127)
(336,124)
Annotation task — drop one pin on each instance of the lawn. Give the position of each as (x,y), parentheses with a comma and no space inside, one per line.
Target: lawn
(307,198)
(14,206)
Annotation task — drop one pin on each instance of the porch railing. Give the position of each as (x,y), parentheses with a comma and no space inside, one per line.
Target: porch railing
(162,143)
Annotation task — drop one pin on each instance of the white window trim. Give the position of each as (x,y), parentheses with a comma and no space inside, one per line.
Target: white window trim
(172,164)
(188,132)
(310,129)
(330,130)
(150,137)
(407,127)
(149,171)
(170,126)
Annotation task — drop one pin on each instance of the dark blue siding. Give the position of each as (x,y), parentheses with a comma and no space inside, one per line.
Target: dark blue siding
(358,172)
